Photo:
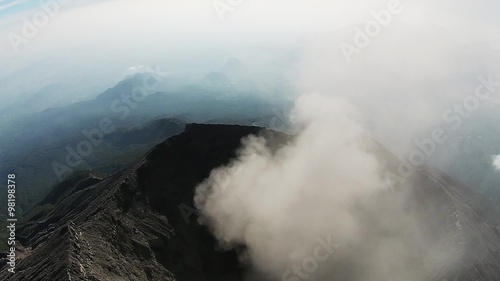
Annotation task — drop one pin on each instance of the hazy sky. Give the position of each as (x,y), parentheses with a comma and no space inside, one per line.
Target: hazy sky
(398,85)
(110,24)
(427,59)
(95,42)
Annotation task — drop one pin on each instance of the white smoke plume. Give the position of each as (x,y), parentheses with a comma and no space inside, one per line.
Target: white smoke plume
(316,189)
(278,202)
(328,183)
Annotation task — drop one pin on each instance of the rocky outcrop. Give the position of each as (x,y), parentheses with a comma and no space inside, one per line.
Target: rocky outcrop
(133,225)
(140,223)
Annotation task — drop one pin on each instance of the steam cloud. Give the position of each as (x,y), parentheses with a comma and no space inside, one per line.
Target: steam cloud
(320,186)
(279,203)
(328,182)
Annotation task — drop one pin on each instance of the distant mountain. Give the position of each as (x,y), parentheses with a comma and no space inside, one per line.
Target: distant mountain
(134,101)
(116,150)
(30,144)
(130,225)
(139,223)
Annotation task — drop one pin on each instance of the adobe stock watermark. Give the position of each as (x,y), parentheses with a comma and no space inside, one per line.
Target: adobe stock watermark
(94,137)
(453,119)
(363,37)
(326,248)
(39,20)
(280,121)
(221,7)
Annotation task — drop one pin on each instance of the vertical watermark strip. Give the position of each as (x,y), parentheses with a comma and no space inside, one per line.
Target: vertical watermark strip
(11,221)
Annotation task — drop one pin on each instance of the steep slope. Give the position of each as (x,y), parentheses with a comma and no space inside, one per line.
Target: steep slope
(476,219)
(116,151)
(139,224)
(456,232)
(131,226)
(30,143)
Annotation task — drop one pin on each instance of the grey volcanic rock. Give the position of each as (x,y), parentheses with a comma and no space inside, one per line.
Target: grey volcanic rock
(130,226)
(476,221)
(139,224)
(89,237)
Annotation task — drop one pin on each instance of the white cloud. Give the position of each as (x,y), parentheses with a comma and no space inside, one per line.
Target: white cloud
(496,162)
(116,22)
(278,204)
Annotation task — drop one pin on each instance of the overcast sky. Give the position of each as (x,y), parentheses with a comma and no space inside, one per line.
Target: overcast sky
(96,22)
(98,37)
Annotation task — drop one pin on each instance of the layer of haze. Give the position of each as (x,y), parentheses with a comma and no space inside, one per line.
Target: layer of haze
(93,43)
(278,204)
(325,185)
(398,87)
